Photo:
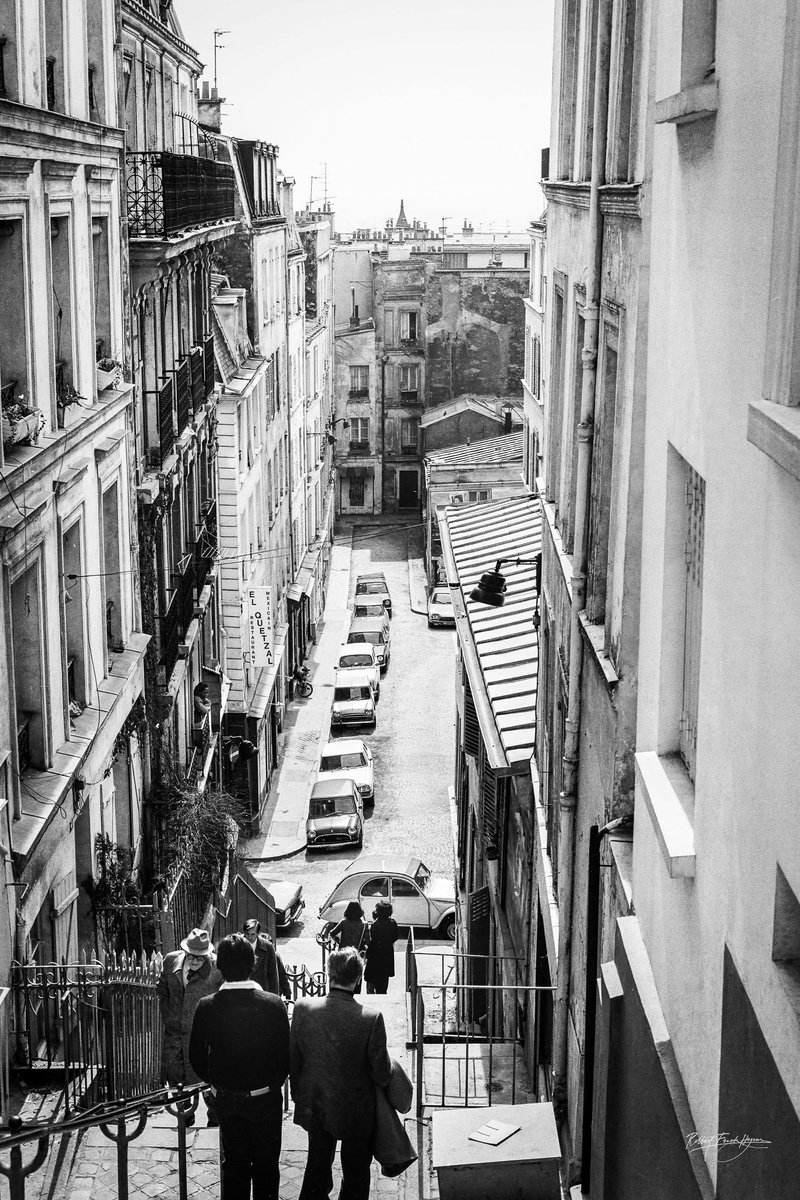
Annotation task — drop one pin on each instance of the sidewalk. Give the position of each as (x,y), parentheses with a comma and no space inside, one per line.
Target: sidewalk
(308,723)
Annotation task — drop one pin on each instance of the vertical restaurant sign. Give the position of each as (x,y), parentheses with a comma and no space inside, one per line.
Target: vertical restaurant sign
(258,606)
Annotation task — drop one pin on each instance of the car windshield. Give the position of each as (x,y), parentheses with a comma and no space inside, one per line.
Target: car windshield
(370,588)
(333,806)
(369,610)
(355,660)
(343,762)
(351,693)
(375,636)
(442,598)
(422,877)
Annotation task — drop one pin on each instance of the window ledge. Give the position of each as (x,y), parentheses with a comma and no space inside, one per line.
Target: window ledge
(595,635)
(690,104)
(669,796)
(775,429)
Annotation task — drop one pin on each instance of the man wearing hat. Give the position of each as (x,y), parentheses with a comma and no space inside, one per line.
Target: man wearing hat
(187,975)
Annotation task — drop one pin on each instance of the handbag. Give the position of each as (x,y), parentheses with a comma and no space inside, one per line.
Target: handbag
(391,1145)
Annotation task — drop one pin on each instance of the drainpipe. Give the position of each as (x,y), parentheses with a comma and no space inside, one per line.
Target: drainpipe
(289,480)
(384,361)
(568,798)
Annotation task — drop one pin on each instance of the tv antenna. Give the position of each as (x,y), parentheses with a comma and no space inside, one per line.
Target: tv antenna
(218,45)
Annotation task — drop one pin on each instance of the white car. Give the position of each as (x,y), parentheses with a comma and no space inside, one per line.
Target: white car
(361,657)
(349,758)
(440,607)
(419,900)
(353,699)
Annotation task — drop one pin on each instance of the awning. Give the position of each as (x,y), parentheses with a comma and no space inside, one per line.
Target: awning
(500,646)
(307,575)
(266,680)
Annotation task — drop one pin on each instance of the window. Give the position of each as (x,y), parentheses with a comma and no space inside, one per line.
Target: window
(376,889)
(112,567)
(356,494)
(74,616)
(14,330)
(62,312)
(695,501)
(409,433)
(601,482)
(409,326)
(570,464)
(409,381)
(454,260)
(556,399)
(27,621)
(359,433)
(623,109)
(536,366)
(359,381)
(479,495)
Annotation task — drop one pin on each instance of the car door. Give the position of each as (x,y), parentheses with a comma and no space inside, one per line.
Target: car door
(370,892)
(410,905)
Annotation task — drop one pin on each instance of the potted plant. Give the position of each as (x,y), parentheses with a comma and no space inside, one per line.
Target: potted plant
(109,373)
(20,423)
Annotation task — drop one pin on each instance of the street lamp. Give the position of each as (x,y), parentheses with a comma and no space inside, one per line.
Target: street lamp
(492,586)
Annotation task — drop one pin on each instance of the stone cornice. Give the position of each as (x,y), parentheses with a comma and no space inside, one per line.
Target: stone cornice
(617,199)
(142,16)
(563,191)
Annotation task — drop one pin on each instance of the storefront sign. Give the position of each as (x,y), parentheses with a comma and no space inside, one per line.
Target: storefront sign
(258,607)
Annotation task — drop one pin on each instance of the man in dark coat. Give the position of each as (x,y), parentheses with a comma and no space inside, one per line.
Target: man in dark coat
(187,975)
(269,970)
(240,1045)
(338,1055)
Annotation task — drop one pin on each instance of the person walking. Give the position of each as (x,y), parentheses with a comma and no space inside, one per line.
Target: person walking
(240,1045)
(383,934)
(337,1057)
(187,975)
(268,970)
(352,930)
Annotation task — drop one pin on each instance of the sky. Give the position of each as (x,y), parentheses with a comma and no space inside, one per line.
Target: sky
(444,104)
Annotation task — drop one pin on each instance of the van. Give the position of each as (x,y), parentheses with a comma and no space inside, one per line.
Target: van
(353,699)
(372,629)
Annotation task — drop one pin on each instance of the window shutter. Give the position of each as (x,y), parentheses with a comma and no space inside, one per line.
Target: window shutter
(488,799)
(472,736)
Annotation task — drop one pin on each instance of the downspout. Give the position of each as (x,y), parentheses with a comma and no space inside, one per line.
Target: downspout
(568,798)
(289,479)
(384,361)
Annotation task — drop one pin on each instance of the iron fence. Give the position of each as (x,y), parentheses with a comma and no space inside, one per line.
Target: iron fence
(169,192)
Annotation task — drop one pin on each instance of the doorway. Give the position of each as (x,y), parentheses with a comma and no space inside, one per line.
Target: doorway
(408,494)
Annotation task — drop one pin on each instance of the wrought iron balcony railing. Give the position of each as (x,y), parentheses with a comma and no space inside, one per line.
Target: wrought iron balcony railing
(205,546)
(169,634)
(208,362)
(182,377)
(197,371)
(170,192)
(183,582)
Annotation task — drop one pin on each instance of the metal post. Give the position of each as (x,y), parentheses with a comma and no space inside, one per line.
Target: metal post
(14,1171)
(122,1138)
(182,1107)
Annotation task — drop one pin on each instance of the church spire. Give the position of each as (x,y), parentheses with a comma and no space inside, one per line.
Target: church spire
(402,222)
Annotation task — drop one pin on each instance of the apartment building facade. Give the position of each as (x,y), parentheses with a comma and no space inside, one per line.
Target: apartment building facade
(180,207)
(71,638)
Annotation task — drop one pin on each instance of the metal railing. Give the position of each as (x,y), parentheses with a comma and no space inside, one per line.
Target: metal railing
(112,1119)
(197,372)
(208,362)
(183,582)
(167,192)
(170,637)
(185,905)
(205,546)
(469,1035)
(182,377)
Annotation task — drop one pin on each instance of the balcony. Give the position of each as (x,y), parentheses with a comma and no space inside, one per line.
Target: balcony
(359,447)
(183,583)
(182,386)
(208,363)
(205,547)
(411,396)
(167,193)
(197,374)
(169,635)
(160,431)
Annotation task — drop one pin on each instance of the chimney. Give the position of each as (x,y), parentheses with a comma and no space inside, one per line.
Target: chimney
(209,104)
(507,419)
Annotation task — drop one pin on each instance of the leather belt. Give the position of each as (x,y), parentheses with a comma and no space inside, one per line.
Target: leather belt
(255,1092)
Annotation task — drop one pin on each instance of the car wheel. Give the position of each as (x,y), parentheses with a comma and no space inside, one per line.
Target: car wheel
(448,929)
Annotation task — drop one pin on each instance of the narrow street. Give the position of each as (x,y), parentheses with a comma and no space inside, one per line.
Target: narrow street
(412,744)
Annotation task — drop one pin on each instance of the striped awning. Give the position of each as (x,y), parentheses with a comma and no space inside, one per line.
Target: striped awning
(499,645)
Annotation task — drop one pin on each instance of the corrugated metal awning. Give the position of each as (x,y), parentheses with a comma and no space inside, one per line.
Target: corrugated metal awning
(499,645)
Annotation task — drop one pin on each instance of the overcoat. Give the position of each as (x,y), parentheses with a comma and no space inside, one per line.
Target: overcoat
(177,1013)
(337,1053)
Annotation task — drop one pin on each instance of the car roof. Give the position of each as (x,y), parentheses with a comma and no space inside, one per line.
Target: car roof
(357,648)
(353,677)
(400,864)
(439,589)
(332,787)
(362,624)
(371,576)
(342,746)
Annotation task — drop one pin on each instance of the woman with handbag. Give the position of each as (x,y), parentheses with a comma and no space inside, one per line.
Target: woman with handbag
(380,951)
(353,931)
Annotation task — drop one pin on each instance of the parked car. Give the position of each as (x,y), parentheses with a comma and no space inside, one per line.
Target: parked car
(361,657)
(349,758)
(418,900)
(335,815)
(373,583)
(365,606)
(288,901)
(368,629)
(353,699)
(440,607)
